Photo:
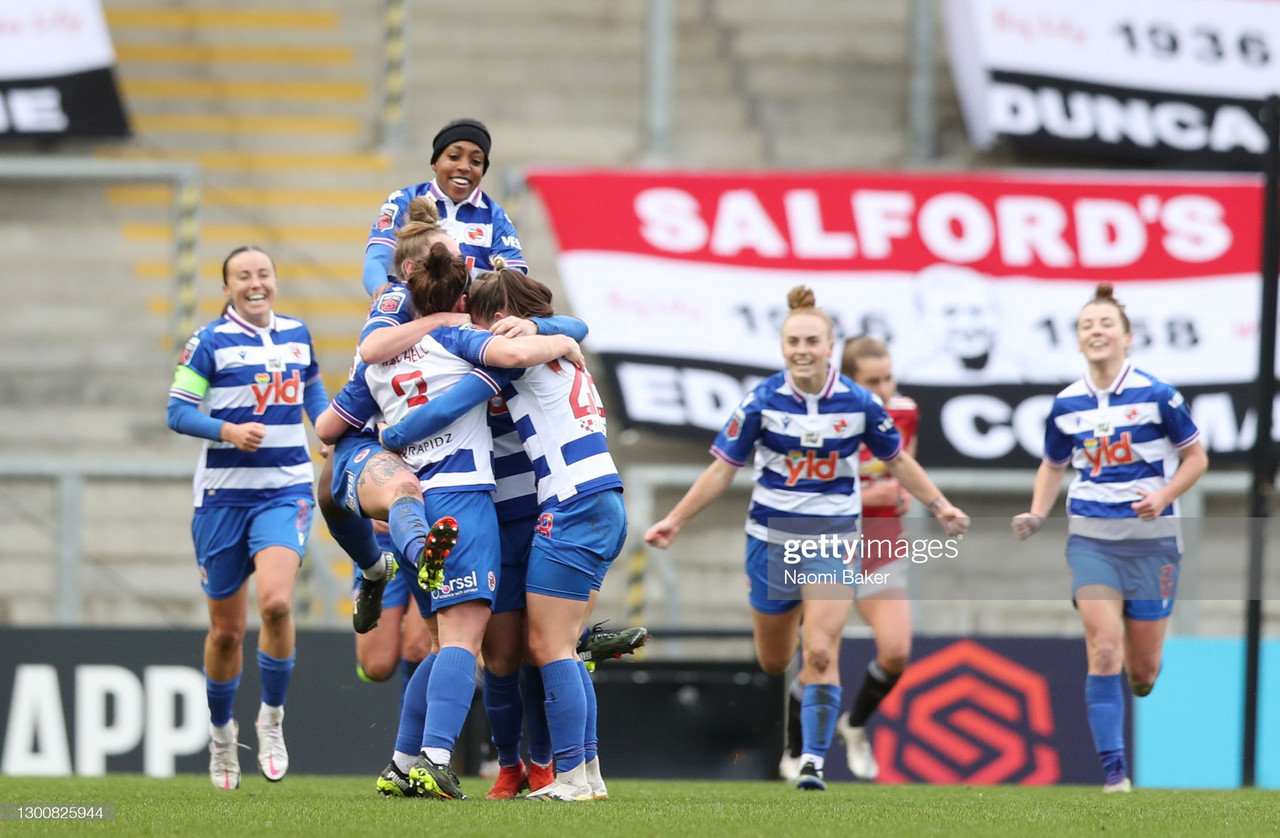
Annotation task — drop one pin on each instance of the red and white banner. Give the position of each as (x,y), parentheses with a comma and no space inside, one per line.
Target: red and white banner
(974,280)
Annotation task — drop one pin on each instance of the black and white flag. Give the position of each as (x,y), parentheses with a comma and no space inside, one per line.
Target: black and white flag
(57,74)
(1177,82)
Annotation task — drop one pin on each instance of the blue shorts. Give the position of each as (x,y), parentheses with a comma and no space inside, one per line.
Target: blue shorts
(472,568)
(515,537)
(574,544)
(396,593)
(1144,571)
(228,537)
(774,583)
(350,455)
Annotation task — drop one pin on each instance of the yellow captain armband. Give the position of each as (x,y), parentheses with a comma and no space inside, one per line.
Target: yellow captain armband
(189,381)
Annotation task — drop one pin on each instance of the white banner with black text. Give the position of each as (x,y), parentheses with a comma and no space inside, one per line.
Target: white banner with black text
(1175,81)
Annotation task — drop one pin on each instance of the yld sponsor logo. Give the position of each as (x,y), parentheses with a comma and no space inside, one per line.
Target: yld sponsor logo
(276,389)
(809,466)
(1101,452)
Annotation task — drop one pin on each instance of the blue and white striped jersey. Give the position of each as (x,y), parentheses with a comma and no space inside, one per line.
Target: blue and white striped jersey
(516,495)
(479,226)
(1120,440)
(560,418)
(247,373)
(806,449)
(558,415)
(460,457)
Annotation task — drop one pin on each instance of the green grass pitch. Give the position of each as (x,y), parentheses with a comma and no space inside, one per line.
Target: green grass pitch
(348,806)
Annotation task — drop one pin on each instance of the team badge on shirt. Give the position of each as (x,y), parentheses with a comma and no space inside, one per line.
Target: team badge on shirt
(387,216)
(480,235)
(734,429)
(190,349)
(390,302)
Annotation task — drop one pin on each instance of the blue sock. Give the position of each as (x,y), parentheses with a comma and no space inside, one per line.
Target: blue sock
(355,536)
(222,694)
(407,668)
(407,519)
(449,694)
(535,714)
(818,711)
(566,712)
(590,741)
(1104,703)
(275,674)
(506,713)
(413,708)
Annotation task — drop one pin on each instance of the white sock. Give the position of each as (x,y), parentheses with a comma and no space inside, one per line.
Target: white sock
(268,715)
(224,733)
(378,571)
(404,761)
(817,761)
(440,756)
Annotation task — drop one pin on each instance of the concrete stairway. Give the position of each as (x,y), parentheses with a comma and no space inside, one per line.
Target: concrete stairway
(828,82)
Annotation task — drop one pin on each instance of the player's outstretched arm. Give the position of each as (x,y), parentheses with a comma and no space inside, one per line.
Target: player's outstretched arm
(531,351)
(389,341)
(913,478)
(709,486)
(557,324)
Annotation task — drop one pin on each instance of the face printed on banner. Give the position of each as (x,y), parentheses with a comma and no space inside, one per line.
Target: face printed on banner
(960,310)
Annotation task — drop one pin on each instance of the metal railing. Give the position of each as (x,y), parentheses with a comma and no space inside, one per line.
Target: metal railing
(69,534)
(642,481)
(643,563)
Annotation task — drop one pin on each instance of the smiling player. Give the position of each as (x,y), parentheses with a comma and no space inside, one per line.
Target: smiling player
(1125,432)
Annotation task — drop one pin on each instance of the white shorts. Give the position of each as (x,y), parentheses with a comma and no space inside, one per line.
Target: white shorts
(887,577)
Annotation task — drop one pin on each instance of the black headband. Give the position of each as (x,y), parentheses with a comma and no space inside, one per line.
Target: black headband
(470,130)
